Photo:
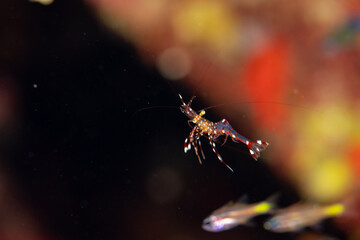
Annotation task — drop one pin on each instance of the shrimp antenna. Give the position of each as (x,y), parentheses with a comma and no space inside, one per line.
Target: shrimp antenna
(200,78)
(265,102)
(153,107)
(182,100)
(192,98)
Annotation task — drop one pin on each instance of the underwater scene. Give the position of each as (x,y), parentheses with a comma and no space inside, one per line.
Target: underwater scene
(180,120)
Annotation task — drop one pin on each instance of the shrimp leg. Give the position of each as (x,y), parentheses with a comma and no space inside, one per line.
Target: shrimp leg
(198,142)
(194,140)
(195,145)
(189,140)
(201,150)
(213,146)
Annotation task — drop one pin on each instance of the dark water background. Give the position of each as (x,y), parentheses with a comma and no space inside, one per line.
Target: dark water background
(83,162)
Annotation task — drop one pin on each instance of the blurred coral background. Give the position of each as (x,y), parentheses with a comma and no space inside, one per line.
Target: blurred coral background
(298,60)
(287,72)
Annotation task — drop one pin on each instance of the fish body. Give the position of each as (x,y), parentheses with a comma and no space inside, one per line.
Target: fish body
(298,216)
(234,214)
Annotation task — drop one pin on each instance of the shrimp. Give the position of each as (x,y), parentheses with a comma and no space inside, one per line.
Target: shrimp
(212,131)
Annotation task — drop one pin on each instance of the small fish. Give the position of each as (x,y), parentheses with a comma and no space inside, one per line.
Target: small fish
(234,214)
(301,215)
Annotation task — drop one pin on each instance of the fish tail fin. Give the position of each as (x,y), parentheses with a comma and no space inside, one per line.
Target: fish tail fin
(272,200)
(268,205)
(263,207)
(256,147)
(334,209)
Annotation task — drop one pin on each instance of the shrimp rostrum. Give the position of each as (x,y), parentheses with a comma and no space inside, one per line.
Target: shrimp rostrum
(212,131)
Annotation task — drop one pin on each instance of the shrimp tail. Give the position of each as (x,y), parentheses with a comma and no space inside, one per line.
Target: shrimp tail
(256,147)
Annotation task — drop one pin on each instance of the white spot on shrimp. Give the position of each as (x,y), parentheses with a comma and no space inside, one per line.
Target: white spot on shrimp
(252,152)
(247,142)
(233,135)
(259,141)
